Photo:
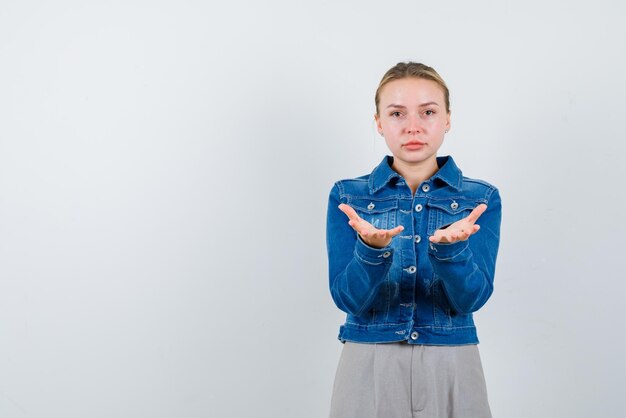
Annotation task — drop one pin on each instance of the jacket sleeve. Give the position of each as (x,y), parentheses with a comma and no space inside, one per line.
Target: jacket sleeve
(356,270)
(467,268)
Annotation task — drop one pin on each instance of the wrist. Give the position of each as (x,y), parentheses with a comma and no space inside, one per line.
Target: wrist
(377,244)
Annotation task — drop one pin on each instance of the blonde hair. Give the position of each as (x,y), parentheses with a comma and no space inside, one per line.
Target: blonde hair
(412,69)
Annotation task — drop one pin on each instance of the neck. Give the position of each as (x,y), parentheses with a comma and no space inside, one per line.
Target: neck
(415,173)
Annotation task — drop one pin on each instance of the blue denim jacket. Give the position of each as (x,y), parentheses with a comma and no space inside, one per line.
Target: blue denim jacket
(412,290)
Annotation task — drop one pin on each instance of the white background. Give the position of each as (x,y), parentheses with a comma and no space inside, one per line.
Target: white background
(164,174)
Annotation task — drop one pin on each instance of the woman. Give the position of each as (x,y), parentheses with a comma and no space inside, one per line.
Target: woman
(412,249)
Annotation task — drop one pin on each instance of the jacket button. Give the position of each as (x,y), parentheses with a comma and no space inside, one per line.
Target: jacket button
(412,269)
(414,335)
(371,206)
(454,205)
(425,187)
(419,208)
(386,254)
(417,239)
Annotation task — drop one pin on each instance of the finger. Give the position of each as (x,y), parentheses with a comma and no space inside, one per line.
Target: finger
(436,237)
(359,227)
(471,231)
(475,214)
(356,225)
(349,211)
(395,231)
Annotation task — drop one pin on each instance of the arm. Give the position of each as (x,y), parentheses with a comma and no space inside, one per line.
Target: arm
(356,270)
(466,267)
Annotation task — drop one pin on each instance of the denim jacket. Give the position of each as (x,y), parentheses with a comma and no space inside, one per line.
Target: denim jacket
(412,290)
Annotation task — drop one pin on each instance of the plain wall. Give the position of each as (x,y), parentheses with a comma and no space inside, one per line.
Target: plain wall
(164,174)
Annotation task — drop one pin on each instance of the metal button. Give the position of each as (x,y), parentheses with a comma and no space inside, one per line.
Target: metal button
(386,254)
(417,239)
(371,206)
(454,205)
(419,208)
(414,335)
(425,187)
(412,269)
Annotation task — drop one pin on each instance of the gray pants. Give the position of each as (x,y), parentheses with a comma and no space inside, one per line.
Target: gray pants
(399,380)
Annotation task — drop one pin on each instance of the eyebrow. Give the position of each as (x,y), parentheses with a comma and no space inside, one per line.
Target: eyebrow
(421,105)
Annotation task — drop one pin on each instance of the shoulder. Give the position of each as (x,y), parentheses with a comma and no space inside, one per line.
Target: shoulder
(356,185)
(479,188)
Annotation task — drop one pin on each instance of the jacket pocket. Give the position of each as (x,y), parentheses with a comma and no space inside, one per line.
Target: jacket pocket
(380,213)
(444,315)
(444,212)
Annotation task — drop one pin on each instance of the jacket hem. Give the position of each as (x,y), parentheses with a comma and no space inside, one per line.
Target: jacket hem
(426,335)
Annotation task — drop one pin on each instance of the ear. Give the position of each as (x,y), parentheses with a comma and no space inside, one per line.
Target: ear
(379,127)
(448,122)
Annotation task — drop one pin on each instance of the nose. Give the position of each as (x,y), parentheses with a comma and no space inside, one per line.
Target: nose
(414,125)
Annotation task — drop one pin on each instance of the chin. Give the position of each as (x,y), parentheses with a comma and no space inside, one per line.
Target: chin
(418,158)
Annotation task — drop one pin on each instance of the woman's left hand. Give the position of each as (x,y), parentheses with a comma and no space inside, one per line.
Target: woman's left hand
(460,230)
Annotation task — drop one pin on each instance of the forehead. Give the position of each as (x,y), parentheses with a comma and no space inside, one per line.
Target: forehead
(411,90)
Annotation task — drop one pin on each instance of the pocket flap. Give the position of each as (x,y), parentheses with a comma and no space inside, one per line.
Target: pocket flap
(453,206)
(373,206)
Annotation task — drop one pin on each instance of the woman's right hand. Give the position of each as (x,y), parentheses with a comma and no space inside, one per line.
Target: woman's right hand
(374,237)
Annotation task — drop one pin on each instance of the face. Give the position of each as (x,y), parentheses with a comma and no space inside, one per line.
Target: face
(413,119)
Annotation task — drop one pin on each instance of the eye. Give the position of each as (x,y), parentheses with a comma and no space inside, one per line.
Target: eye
(395,114)
(429,112)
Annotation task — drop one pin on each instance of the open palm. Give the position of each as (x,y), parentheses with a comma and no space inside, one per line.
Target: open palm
(460,230)
(374,237)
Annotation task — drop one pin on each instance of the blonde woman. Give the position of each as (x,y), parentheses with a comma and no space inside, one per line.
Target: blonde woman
(412,250)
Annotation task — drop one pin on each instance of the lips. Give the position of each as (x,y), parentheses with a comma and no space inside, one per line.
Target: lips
(414,145)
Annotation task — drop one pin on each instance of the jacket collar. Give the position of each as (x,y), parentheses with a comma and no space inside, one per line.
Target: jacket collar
(448,172)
